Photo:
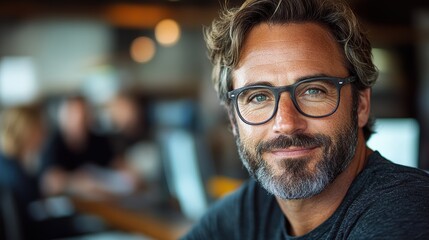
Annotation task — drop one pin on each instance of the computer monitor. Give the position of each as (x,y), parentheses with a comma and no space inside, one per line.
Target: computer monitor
(173,121)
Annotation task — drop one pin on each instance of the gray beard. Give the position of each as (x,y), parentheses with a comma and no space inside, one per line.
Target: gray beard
(296,180)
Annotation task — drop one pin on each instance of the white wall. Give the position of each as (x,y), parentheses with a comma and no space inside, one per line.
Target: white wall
(62,49)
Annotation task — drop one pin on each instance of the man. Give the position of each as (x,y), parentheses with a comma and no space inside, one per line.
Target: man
(296,77)
(77,161)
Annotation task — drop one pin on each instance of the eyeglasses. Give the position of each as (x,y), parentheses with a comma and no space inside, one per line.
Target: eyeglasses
(313,97)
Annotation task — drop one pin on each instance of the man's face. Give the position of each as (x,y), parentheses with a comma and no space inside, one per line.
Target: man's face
(74,118)
(294,156)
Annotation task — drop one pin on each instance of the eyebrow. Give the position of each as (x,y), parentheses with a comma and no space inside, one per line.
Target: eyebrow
(267,83)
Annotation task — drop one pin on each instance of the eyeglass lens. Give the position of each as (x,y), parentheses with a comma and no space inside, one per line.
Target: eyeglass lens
(314,98)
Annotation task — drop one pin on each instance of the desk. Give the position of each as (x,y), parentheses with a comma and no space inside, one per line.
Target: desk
(141,221)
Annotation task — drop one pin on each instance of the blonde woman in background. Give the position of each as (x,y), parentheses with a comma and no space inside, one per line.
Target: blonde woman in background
(26,214)
(21,136)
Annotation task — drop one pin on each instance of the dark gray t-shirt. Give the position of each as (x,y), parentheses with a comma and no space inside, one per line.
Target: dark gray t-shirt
(386,201)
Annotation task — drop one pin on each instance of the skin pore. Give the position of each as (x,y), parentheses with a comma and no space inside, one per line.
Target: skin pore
(280,55)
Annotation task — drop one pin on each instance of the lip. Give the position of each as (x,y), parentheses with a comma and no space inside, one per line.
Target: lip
(292,152)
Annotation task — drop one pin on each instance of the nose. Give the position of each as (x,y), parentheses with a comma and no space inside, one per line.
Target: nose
(288,120)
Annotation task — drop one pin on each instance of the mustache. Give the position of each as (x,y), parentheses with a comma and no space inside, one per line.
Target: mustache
(297,140)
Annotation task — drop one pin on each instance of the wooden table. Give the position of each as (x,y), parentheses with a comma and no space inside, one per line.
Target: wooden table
(141,221)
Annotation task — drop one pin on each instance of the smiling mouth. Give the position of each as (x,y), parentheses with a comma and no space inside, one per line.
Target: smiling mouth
(292,152)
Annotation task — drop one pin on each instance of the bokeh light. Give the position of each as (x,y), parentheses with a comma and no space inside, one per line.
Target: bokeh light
(167,32)
(142,49)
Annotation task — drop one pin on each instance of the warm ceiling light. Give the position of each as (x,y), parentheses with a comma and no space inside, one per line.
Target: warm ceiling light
(167,32)
(142,49)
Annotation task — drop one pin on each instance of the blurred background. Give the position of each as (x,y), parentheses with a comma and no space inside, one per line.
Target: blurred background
(131,80)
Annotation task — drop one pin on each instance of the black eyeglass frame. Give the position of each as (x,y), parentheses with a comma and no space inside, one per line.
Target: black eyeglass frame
(338,82)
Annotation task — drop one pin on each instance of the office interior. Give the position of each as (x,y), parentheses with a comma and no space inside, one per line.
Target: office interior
(154,51)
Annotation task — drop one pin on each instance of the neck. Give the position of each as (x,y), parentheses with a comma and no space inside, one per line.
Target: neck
(304,215)
(75,139)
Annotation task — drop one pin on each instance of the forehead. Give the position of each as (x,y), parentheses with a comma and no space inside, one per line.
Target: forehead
(283,53)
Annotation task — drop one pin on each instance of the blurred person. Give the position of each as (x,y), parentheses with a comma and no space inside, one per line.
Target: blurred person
(22,133)
(127,120)
(79,162)
(21,136)
(295,77)
(134,148)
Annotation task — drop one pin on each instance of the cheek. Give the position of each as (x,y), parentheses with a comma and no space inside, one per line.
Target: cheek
(249,135)
(324,126)
(337,122)
(334,124)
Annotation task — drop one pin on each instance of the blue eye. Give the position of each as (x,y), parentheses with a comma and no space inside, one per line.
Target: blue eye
(259,98)
(256,96)
(313,91)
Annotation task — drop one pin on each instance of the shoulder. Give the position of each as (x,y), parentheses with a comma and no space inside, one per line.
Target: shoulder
(233,216)
(55,137)
(393,201)
(387,177)
(221,218)
(99,141)
(9,170)
(54,143)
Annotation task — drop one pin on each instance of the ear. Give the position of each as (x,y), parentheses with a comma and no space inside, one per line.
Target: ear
(364,107)
(233,122)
